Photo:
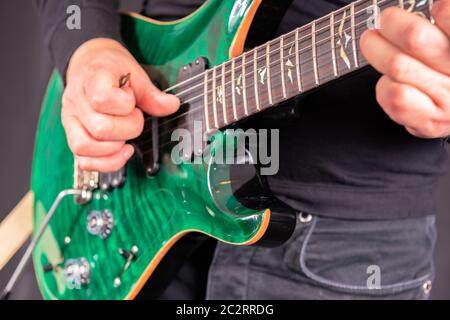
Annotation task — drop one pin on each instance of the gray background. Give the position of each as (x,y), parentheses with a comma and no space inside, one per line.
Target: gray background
(24,70)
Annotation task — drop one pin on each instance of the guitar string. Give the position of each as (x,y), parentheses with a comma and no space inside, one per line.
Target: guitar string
(200,86)
(229,111)
(170,120)
(251,73)
(291,33)
(165,133)
(305,74)
(275,41)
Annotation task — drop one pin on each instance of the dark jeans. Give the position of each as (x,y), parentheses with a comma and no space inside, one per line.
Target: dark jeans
(325,259)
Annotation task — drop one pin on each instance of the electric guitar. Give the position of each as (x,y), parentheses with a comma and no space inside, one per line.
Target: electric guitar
(109,232)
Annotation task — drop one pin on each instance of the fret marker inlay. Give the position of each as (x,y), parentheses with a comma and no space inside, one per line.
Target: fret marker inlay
(239,85)
(343,41)
(290,65)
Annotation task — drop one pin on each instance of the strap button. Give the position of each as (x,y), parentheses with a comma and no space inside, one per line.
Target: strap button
(304,217)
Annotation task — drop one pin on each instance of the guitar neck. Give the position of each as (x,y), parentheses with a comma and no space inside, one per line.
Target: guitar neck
(294,63)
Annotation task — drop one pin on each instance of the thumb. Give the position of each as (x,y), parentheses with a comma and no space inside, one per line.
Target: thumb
(152,100)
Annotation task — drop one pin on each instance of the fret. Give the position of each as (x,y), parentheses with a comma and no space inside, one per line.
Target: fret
(255,77)
(283,80)
(214,98)
(324,50)
(276,75)
(430,7)
(269,84)
(233,88)
(309,56)
(205,93)
(262,76)
(223,98)
(297,60)
(307,61)
(314,52)
(250,80)
(422,8)
(362,15)
(244,85)
(333,48)
(355,51)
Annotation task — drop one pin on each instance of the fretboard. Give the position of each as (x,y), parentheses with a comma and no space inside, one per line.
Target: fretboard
(299,61)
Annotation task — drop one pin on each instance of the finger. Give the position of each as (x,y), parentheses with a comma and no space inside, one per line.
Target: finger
(391,61)
(83,144)
(103,93)
(104,127)
(409,107)
(150,99)
(441,14)
(107,164)
(417,37)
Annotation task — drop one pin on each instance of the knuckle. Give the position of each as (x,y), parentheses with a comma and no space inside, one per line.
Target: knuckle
(102,130)
(389,13)
(98,101)
(79,146)
(96,65)
(139,123)
(84,164)
(67,98)
(116,165)
(442,12)
(398,98)
(365,40)
(398,66)
(381,98)
(431,129)
(416,37)
(129,106)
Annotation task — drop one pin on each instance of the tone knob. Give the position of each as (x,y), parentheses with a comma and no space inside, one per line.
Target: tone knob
(77,273)
(100,223)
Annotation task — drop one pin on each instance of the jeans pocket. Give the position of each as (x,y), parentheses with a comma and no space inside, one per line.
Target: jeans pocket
(369,257)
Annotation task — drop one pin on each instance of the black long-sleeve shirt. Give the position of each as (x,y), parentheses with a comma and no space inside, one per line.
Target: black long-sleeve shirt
(343,157)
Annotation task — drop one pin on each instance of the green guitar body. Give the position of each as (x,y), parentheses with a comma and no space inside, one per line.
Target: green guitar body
(150,213)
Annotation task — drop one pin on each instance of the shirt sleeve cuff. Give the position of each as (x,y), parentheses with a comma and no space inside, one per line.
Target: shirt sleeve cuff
(96,22)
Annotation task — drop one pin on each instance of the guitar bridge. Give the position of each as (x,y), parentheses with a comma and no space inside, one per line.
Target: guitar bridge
(86,182)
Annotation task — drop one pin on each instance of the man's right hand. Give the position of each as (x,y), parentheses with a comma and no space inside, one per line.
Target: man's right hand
(98,115)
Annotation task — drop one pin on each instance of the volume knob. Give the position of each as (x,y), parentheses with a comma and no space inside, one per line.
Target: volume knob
(77,273)
(100,223)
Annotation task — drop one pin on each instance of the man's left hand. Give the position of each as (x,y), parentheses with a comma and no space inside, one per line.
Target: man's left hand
(414,57)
